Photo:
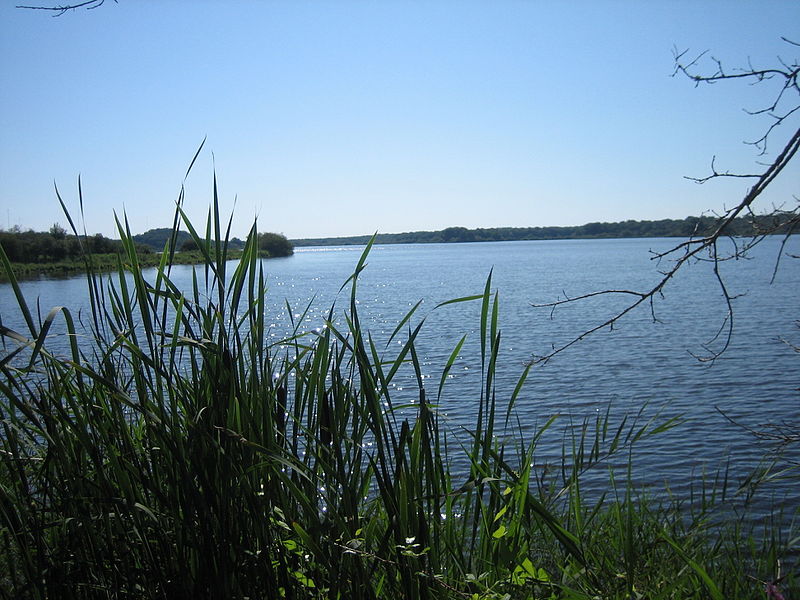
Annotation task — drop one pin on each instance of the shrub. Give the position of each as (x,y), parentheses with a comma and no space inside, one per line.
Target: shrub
(275,244)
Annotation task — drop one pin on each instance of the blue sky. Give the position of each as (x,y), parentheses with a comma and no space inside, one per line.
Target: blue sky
(342,118)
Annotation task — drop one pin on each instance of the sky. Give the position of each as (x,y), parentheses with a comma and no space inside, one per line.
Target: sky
(334,118)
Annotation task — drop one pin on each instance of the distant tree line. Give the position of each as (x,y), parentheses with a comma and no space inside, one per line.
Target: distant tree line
(55,245)
(684,228)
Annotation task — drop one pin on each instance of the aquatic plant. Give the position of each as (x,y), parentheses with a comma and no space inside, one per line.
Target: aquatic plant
(175,451)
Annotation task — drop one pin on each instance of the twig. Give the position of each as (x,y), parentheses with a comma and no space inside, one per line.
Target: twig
(691,248)
(61,9)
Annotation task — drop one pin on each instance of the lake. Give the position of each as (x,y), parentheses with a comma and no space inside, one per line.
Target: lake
(638,363)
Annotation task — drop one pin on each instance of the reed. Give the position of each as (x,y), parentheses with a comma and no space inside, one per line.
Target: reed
(182,454)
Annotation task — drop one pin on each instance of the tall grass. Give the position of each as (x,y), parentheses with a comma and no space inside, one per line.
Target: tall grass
(181,454)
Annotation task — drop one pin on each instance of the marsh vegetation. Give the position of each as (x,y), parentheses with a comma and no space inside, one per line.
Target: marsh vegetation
(184,453)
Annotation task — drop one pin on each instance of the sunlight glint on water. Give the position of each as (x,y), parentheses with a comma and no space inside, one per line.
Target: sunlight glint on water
(639,362)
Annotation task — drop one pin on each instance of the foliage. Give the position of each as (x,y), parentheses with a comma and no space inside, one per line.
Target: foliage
(58,232)
(180,453)
(157,239)
(57,254)
(275,245)
(189,246)
(55,245)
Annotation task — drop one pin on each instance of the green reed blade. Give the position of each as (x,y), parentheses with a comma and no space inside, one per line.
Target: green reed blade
(484,316)
(402,322)
(517,390)
(23,305)
(711,586)
(359,266)
(194,158)
(455,300)
(449,364)
(404,351)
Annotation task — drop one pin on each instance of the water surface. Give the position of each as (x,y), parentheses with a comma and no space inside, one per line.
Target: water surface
(641,362)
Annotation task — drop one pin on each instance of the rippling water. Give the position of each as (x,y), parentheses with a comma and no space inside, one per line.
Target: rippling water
(640,362)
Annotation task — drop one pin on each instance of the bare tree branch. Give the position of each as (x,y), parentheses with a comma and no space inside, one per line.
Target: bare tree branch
(704,247)
(60,9)
(692,249)
(781,434)
(788,74)
(715,173)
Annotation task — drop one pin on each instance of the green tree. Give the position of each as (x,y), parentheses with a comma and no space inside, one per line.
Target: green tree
(188,246)
(58,232)
(274,244)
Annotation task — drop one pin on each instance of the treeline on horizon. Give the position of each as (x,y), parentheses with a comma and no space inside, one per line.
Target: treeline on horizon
(688,227)
(38,247)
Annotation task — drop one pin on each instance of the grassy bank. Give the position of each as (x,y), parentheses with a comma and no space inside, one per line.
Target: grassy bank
(183,454)
(101,262)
